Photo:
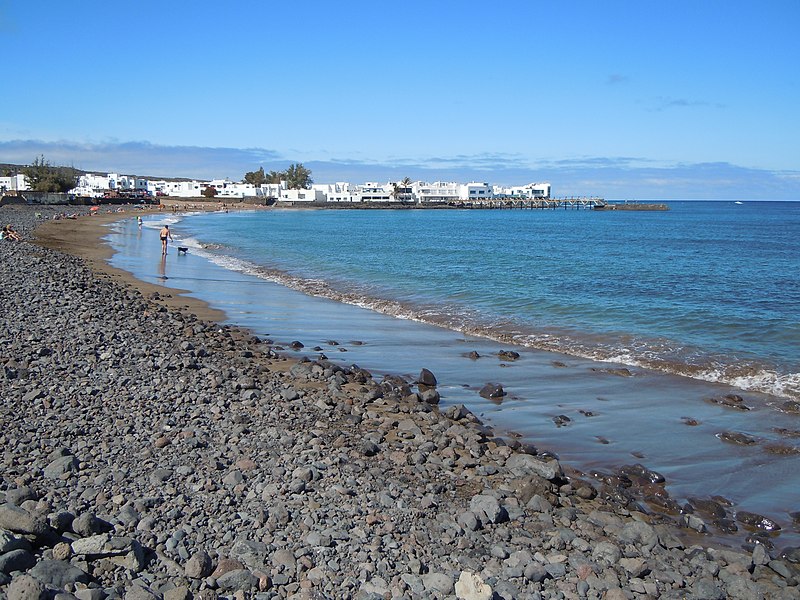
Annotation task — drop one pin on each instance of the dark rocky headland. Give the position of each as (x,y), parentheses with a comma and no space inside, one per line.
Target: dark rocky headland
(150,454)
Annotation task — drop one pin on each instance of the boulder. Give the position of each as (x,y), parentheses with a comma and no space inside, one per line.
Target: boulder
(239,579)
(9,542)
(26,587)
(471,587)
(756,521)
(427,378)
(525,464)
(740,439)
(199,565)
(492,391)
(19,495)
(487,509)
(88,524)
(437,582)
(58,573)
(16,560)
(429,395)
(61,466)
(16,519)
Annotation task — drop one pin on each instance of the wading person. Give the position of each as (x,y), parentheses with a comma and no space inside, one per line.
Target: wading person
(165,235)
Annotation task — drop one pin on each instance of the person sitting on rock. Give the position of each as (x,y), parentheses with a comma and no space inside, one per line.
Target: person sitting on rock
(10,234)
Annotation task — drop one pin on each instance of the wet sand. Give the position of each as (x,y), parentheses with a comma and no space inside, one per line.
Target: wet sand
(83,237)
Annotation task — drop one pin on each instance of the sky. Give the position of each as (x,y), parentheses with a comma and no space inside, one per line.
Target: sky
(624,100)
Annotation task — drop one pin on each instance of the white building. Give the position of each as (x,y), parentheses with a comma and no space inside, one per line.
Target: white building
(436,192)
(475,191)
(92,185)
(230,189)
(341,191)
(374,192)
(531,191)
(181,189)
(13,184)
(269,191)
(298,196)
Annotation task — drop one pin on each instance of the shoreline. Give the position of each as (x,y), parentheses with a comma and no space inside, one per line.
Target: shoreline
(84,238)
(438,484)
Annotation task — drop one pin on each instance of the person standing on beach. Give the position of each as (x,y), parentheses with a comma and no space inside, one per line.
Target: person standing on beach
(165,234)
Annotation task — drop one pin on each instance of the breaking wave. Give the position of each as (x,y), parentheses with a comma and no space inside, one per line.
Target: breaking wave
(654,354)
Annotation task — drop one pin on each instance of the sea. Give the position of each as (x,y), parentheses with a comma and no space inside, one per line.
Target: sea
(632,327)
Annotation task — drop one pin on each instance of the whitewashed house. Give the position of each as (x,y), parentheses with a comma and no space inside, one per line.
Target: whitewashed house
(230,189)
(531,191)
(374,192)
(475,191)
(341,191)
(437,192)
(269,191)
(302,196)
(13,184)
(183,189)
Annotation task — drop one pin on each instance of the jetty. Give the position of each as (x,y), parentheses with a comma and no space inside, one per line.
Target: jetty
(566,203)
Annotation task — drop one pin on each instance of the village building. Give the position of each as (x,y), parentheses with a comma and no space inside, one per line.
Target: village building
(531,191)
(13,184)
(420,192)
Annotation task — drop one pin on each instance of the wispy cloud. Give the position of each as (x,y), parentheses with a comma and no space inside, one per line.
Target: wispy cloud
(662,103)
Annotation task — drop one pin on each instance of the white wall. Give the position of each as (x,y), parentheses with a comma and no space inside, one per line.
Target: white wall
(302,195)
(14,183)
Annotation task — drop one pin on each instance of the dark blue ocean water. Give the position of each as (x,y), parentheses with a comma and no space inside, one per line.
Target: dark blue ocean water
(699,302)
(710,290)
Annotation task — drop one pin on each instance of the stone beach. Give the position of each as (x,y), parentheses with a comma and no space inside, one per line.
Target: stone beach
(149,452)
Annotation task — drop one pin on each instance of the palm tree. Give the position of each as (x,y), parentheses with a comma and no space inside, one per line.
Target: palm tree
(405,186)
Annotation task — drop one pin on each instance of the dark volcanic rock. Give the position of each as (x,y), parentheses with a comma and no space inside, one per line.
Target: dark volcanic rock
(58,573)
(427,378)
(492,391)
(731,401)
(735,437)
(756,521)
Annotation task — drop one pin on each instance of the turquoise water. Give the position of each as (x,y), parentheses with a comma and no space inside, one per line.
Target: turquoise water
(708,290)
(697,302)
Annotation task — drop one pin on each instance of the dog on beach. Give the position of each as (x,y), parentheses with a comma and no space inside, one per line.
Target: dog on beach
(182,249)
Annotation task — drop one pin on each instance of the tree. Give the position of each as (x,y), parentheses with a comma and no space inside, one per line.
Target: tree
(275,177)
(298,177)
(209,192)
(44,177)
(404,189)
(256,177)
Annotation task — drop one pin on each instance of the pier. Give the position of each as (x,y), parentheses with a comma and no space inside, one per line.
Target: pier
(567,203)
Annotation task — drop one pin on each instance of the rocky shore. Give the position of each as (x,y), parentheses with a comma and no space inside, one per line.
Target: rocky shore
(148,453)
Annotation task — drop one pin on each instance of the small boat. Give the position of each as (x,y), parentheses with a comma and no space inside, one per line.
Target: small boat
(737,202)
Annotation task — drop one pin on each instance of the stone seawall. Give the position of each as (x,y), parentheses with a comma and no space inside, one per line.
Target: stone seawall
(634,206)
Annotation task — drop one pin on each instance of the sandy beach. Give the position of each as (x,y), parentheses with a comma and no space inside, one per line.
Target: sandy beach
(150,452)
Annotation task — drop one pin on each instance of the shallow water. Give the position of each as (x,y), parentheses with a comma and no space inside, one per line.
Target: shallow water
(633,419)
(708,290)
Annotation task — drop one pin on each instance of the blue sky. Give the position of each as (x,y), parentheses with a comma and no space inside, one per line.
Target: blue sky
(617,99)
